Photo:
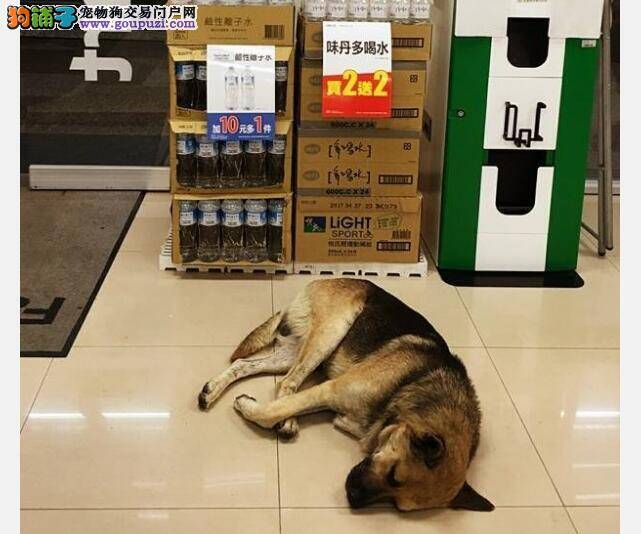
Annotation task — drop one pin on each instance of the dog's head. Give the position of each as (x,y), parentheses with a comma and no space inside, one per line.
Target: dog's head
(416,469)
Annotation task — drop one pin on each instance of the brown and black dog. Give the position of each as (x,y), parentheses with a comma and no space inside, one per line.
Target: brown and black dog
(391,380)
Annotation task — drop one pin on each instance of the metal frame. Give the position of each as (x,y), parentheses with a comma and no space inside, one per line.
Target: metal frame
(604,232)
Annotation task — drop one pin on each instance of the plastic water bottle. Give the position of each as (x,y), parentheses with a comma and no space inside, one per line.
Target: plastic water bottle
(188,230)
(379,9)
(208,230)
(336,9)
(315,9)
(420,10)
(248,84)
(358,9)
(231,88)
(399,10)
(233,238)
(255,230)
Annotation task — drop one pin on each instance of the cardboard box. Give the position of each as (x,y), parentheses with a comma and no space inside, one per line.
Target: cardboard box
(410,42)
(240,24)
(358,163)
(348,230)
(408,118)
(287,227)
(200,128)
(199,53)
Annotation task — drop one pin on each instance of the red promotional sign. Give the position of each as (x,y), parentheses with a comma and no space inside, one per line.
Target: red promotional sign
(357,72)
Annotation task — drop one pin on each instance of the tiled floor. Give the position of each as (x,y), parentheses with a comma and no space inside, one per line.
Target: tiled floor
(113,442)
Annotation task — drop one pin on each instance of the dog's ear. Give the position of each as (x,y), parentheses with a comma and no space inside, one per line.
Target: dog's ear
(469,499)
(430,447)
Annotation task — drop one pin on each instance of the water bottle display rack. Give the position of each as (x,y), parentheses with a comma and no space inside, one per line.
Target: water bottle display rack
(508,138)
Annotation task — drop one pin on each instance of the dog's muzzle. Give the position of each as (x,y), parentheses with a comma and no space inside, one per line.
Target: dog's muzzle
(359,491)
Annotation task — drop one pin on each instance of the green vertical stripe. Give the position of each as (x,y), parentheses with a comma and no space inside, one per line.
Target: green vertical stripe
(464,154)
(575,122)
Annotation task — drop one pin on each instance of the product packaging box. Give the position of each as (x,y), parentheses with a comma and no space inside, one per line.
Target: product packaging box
(198,228)
(410,42)
(266,24)
(192,101)
(349,230)
(247,171)
(408,97)
(371,163)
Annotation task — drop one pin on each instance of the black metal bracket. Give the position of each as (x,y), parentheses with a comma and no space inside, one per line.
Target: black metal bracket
(525,136)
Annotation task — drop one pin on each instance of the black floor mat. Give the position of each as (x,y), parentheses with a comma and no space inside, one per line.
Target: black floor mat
(68,240)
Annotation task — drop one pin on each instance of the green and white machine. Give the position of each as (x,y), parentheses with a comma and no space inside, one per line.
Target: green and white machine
(509,133)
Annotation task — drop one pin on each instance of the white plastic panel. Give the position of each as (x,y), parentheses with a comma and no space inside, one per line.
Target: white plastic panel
(492,221)
(477,18)
(525,93)
(511,252)
(500,66)
(576,19)
(568,18)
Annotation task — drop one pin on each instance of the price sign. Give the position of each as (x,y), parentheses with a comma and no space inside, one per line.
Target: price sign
(240,92)
(357,69)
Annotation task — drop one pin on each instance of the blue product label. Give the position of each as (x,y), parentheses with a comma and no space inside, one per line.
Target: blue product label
(185,71)
(275,218)
(241,126)
(256,218)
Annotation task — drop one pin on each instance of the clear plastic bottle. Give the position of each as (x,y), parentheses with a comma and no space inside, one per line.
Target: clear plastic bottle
(399,10)
(186,160)
(232,230)
(336,9)
(248,84)
(206,162)
(185,84)
(255,230)
(275,230)
(358,9)
(231,88)
(208,230)
(188,230)
(379,9)
(315,9)
(231,164)
(254,162)
(420,10)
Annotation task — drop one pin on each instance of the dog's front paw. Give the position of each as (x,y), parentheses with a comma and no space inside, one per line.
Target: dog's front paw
(287,429)
(244,404)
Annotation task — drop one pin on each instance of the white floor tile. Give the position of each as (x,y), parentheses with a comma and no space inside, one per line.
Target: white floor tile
(569,401)
(120,428)
(32,372)
(500,521)
(248,521)
(138,305)
(596,520)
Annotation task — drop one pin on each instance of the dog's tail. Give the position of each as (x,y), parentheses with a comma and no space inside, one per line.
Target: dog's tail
(259,338)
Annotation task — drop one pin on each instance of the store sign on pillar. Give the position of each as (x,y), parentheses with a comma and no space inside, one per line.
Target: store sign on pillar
(357,69)
(240,92)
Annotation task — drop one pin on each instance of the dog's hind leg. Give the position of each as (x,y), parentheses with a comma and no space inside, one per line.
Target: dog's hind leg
(352,428)
(320,343)
(259,338)
(267,415)
(273,359)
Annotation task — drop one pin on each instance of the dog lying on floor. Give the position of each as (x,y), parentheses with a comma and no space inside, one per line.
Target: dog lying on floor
(391,380)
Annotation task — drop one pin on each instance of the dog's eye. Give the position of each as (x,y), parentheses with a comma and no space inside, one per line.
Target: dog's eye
(390,478)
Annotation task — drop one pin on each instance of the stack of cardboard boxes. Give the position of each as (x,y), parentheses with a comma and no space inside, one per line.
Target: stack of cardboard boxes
(226,25)
(357,192)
